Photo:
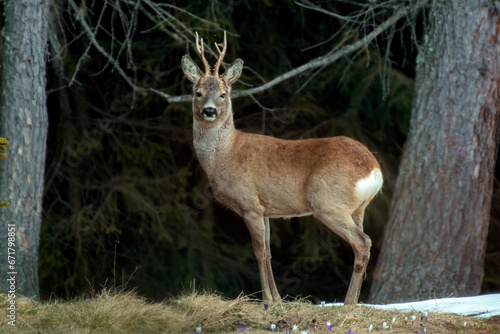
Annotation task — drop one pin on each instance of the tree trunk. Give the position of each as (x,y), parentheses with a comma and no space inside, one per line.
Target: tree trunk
(23,122)
(434,244)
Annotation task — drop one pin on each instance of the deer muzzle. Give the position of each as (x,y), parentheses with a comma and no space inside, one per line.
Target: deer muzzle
(209,113)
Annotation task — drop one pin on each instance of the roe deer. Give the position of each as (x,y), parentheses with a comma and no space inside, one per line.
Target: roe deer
(261,177)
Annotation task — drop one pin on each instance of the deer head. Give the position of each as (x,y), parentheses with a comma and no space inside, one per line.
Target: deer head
(211,91)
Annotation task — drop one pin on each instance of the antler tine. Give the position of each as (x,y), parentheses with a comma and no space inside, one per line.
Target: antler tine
(221,54)
(201,52)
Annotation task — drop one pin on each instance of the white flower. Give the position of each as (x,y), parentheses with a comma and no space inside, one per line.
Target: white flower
(384,325)
(198,329)
(370,328)
(328,323)
(322,303)
(393,322)
(273,327)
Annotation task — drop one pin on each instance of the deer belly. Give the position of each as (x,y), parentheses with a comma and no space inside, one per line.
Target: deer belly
(283,201)
(276,199)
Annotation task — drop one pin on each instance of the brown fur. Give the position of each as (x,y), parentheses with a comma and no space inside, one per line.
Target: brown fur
(280,172)
(261,177)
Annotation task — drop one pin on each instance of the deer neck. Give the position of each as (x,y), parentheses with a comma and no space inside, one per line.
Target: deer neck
(212,141)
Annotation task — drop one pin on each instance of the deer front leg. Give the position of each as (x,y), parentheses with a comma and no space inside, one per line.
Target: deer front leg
(255,224)
(270,276)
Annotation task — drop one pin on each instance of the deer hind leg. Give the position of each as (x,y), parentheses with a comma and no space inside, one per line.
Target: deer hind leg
(259,233)
(359,213)
(357,217)
(344,226)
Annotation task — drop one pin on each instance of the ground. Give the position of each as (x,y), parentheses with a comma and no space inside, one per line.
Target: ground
(126,312)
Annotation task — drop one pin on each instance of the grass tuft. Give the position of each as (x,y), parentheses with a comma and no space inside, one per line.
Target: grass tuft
(127,312)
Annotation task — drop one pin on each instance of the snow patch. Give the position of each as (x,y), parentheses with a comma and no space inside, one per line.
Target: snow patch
(485,306)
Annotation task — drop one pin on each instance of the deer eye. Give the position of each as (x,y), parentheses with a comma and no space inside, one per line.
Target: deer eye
(223,95)
(198,94)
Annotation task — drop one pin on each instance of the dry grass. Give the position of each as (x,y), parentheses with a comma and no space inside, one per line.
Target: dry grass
(126,312)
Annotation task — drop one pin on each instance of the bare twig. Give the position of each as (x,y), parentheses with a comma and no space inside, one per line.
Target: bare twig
(179,28)
(321,10)
(315,63)
(85,53)
(218,27)
(90,34)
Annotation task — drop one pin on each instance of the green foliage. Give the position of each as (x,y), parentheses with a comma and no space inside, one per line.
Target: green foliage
(3,146)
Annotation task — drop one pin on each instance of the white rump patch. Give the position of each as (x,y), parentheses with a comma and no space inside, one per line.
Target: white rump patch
(370,185)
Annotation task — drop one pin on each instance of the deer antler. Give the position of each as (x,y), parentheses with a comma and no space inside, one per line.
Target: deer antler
(221,54)
(201,52)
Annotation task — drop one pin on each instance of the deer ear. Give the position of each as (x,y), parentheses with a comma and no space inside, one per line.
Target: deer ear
(233,73)
(190,69)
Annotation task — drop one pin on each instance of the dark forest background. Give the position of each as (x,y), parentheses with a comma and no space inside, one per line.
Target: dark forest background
(126,202)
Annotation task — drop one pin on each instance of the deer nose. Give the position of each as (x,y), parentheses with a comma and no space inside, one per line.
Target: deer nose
(209,113)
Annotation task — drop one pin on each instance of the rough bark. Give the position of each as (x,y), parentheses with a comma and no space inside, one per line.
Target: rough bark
(23,121)
(434,244)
